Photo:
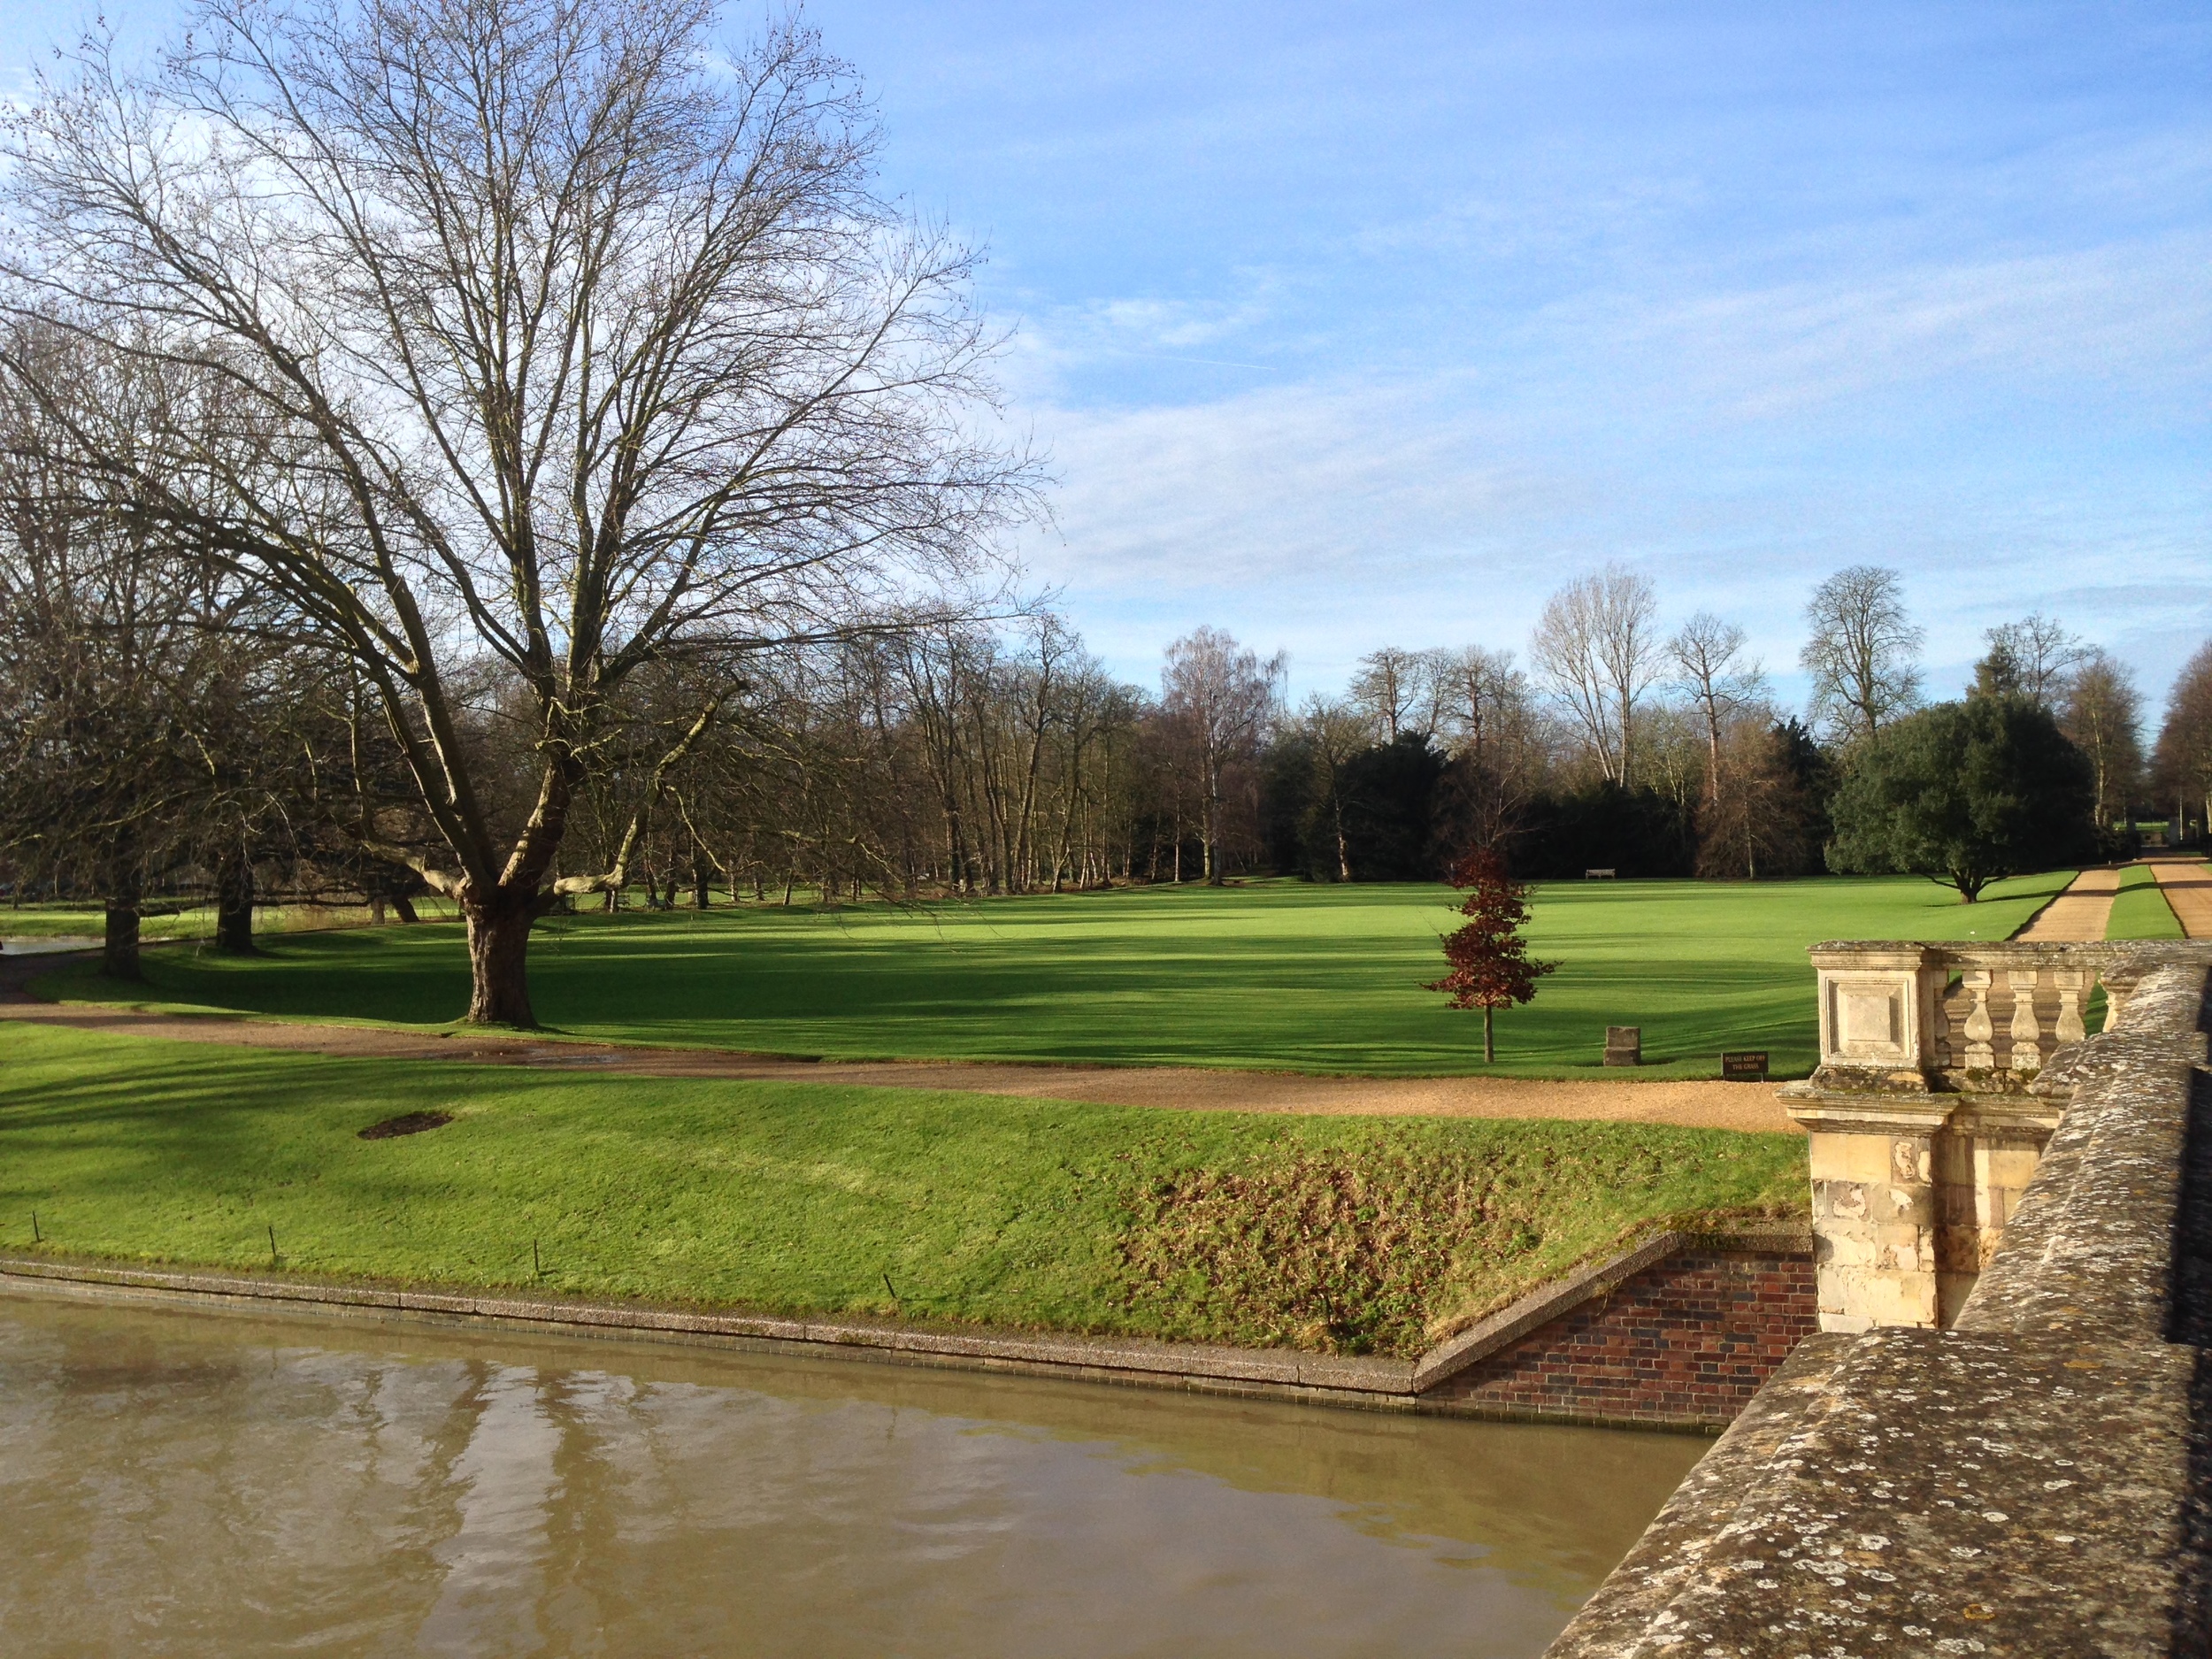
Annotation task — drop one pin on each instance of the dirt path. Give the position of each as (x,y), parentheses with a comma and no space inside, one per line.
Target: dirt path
(1696,1105)
(2187,885)
(2082,913)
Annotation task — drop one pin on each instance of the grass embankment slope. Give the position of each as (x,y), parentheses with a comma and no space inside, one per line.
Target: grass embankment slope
(1355,1235)
(2140,910)
(1281,976)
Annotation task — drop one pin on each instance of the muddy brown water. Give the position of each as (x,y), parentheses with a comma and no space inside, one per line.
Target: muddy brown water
(196,1484)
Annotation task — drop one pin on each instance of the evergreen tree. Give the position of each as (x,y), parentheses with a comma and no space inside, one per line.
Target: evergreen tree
(1966,794)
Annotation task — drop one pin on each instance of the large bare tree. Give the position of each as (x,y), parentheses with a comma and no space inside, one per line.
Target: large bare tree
(2103,715)
(1221,697)
(1719,680)
(1597,647)
(1390,689)
(580,343)
(1864,652)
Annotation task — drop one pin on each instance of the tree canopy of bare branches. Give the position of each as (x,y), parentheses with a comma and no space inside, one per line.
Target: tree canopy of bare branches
(1864,652)
(1222,695)
(2102,714)
(2037,656)
(1597,648)
(1719,682)
(572,344)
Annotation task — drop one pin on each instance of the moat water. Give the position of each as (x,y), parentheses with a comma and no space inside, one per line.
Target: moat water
(193,1484)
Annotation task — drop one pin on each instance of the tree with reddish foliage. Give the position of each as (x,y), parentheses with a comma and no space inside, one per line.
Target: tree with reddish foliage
(1490,964)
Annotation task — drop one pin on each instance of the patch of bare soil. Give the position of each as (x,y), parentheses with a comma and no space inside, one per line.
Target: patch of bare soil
(406,1124)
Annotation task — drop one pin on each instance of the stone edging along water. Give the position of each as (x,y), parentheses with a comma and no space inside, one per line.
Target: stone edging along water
(1313,1378)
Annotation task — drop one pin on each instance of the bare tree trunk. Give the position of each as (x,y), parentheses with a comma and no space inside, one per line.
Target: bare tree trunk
(403,908)
(234,904)
(1215,874)
(1489,1041)
(699,896)
(499,943)
(118,951)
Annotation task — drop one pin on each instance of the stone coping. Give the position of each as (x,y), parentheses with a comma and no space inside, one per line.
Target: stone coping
(1321,1378)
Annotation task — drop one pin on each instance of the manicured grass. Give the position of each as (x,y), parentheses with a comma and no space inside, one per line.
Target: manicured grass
(1349,1233)
(2140,912)
(1275,976)
(191,921)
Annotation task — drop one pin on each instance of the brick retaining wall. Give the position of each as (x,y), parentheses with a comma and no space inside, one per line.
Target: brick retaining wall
(1688,1340)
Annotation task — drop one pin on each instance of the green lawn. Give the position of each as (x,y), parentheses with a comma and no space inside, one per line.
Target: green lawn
(185,921)
(1279,975)
(1355,1235)
(2140,912)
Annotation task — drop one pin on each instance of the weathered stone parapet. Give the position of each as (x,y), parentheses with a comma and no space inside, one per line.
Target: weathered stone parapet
(1922,1493)
(2033,1481)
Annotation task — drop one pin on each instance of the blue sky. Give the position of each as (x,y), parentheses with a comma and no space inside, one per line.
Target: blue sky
(1350,326)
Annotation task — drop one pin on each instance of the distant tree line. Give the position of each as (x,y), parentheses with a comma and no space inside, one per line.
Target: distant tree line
(163,738)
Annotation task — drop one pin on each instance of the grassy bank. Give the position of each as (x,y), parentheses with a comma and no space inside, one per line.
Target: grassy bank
(1351,1234)
(2140,910)
(1274,976)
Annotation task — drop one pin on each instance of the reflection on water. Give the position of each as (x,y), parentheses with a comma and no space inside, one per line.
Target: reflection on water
(193,1484)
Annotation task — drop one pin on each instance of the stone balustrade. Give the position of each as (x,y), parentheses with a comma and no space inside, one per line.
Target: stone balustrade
(1963,1018)
(1927,1114)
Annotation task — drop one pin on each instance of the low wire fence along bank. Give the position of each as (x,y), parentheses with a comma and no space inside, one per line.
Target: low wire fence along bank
(1999,1441)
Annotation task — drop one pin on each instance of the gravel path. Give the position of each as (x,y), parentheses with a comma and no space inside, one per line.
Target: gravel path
(2082,913)
(1697,1105)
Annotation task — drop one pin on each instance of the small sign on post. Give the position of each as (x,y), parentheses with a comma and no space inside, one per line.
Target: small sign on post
(1744,1065)
(1624,1045)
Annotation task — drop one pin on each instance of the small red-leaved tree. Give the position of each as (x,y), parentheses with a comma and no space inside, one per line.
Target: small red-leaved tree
(1490,965)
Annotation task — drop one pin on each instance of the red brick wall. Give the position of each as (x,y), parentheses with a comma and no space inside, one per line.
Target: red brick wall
(1689,1340)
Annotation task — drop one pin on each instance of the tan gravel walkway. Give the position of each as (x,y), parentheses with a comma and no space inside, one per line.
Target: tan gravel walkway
(2082,913)
(2187,885)
(1698,1105)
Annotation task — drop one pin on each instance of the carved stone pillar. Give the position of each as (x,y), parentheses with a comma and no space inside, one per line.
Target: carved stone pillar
(1875,1209)
(1879,1014)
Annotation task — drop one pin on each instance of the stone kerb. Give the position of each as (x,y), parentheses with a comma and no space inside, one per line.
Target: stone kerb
(2031,1481)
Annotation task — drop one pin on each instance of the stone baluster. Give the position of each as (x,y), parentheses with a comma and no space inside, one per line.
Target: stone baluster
(2027,1030)
(2116,997)
(2071,982)
(1945,1035)
(1980,1055)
